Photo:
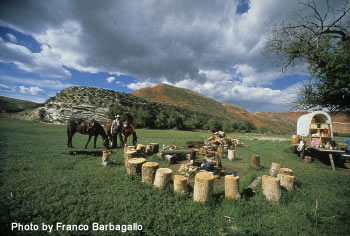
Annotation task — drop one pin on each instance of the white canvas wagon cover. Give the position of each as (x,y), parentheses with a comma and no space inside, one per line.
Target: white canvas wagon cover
(304,122)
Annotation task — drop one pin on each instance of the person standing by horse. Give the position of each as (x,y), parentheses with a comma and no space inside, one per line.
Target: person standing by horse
(116,130)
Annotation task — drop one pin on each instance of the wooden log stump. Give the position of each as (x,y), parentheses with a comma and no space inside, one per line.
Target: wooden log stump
(128,155)
(231,154)
(271,188)
(106,158)
(149,149)
(134,166)
(275,168)
(203,186)
(163,177)
(180,184)
(149,171)
(255,161)
(287,181)
(154,147)
(308,159)
(285,171)
(232,187)
(141,148)
(129,148)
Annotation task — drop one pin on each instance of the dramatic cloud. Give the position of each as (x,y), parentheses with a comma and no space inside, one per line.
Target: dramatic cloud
(31,90)
(177,42)
(11,37)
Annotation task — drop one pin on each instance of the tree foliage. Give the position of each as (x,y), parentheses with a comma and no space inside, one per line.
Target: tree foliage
(320,37)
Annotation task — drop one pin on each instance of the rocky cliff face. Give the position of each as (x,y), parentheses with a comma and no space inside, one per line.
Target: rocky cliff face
(75,103)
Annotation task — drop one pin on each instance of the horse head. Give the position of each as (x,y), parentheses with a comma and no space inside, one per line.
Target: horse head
(126,124)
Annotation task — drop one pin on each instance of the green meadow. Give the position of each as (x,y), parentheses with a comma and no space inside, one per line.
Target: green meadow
(41,183)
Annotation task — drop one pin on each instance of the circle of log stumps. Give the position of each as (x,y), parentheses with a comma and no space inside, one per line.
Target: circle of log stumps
(255,161)
(287,181)
(149,171)
(134,166)
(271,188)
(286,171)
(232,187)
(231,155)
(180,184)
(203,186)
(128,155)
(275,168)
(163,177)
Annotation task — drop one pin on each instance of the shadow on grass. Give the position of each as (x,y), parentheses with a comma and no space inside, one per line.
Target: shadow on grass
(323,157)
(86,153)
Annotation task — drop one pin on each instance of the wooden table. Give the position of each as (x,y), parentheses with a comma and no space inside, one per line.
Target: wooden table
(330,153)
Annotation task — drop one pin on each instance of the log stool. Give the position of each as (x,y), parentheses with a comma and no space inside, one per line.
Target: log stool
(128,155)
(287,181)
(154,147)
(271,188)
(163,177)
(180,184)
(285,171)
(255,161)
(231,155)
(149,171)
(141,148)
(232,187)
(135,165)
(203,186)
(106,158)
(275,168)
(308,159)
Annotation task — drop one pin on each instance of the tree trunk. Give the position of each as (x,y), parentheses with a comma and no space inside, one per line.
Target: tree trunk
(232,187)
(287,181)
(149,171)
(271,188)
(203,186)
(163,177)
(275,168)
(180,184)
(135,165)
(255,161)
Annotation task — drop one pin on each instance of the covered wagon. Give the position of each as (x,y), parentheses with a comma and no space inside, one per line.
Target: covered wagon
(314,131)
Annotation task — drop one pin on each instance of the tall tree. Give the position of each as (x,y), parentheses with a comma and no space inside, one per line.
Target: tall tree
(320,37)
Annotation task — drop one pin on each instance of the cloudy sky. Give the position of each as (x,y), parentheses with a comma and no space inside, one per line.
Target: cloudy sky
(211,47)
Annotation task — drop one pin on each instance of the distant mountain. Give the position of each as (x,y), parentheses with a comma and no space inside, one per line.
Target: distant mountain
(12,105)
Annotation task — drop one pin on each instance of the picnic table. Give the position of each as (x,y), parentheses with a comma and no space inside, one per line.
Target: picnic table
(330,153)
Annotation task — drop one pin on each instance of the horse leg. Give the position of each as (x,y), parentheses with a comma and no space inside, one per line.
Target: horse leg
(134,139)
(88,141)
(95,139)
(125,140)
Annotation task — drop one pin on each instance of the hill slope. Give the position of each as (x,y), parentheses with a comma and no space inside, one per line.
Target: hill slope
(15,105)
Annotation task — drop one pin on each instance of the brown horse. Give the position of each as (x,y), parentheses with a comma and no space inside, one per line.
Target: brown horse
(125,132)
(90,127)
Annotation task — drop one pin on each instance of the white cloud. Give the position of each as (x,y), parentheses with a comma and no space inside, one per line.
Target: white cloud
(43,83)
(11,38)
(110,79)
(6,88)
(140,85)
(31,90)
(203,46)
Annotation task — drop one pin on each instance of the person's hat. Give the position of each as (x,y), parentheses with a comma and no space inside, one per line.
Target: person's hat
(117,116)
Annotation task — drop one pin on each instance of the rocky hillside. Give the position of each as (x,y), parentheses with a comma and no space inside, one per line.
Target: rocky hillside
(11,105)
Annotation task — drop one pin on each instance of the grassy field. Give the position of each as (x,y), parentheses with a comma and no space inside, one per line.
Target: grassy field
(41,183)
